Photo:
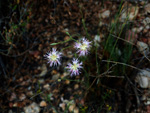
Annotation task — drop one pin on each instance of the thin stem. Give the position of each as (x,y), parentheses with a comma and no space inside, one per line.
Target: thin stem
(122,64)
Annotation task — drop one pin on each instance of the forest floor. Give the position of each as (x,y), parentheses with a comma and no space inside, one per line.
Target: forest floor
(108,81)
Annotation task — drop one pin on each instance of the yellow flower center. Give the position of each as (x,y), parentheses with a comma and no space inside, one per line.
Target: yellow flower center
(83,47)
(53,57)
(74,66)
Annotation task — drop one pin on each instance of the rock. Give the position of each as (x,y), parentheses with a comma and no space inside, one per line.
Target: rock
(147,102)
(97,40)
(105,14)
(76,110)
(10,111)
(43,104)
(143,79)
(46,86)
(147,8)
(22,96)
(55,77)
(33,108)
(44,70)
(13,97)
(137,30)
(29,93)
(41,81)
(129,12)
(143,48)
(76,86)
(67,82)
(146,21)
(71,107)
(63,106)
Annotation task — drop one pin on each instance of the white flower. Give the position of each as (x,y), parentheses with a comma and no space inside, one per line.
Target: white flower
(53,57)
(83,47)
(75,67)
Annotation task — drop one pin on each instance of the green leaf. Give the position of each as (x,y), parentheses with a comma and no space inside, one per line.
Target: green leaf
(54,44)
(67,33)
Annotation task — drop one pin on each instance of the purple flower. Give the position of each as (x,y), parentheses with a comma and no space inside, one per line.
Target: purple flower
(53,57)
(75,67)
(83,47)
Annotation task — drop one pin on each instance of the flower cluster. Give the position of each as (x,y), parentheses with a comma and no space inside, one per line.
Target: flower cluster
(82,47)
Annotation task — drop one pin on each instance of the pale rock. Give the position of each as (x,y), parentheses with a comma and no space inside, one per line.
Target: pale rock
(147,8)
(43,104)
(29,93)
(62,106)
(76,110)
(146,21)
(147,102)
(101,24)
(13,97)
(129,12)
(137,30)
(71,107)
(55,77)
(143,48)
(33,108)
(46,86)
(41,81)
(29,88)
(76,86)
(15,104)
(44,70)
(105,14)
(97,40)
(22,96)
(143,79)
(10,111)
(67,82)
(147,27)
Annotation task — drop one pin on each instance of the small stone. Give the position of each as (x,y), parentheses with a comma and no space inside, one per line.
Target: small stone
(46,86)
(29,88)
(15,104)
(41,81)
(44,70)
(146,21)
(71,107)
(10,111)
(76,86)
(62,105)
(143,47)
(143,79)
(76,110)
(43,104)
(147,8)
(55,77)
(32,108)
(13,97)
(66,38)
(22,96)
(129,12)
(30,93)
(105,14)
(97,40)
(67,82)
